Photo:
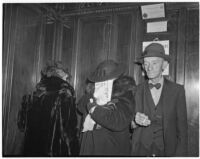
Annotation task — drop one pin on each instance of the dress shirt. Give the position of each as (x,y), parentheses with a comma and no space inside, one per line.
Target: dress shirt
(155,93)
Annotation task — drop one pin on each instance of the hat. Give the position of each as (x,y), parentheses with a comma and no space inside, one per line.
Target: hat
(154,50)
(107,70)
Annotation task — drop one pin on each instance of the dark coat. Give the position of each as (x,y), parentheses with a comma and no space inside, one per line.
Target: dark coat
(51,121)
(113,138)
(174,116)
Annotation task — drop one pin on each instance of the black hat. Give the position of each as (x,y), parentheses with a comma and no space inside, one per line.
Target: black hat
(154,50)
(107,70)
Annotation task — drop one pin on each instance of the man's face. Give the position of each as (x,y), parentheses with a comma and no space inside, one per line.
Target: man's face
(153,66)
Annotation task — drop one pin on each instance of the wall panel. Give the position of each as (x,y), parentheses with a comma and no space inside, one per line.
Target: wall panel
(93,47)
(23,79)
(192,79)
(24,54)
(9,29)
(67,48)
(124,40)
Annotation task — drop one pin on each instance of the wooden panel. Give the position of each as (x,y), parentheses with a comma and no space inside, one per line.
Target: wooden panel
(124,39)
(137,38)
(25,47)
(180,69)
(10,13)
(67,46)
(192,80)
(48,44)
(92,48)
(23,77)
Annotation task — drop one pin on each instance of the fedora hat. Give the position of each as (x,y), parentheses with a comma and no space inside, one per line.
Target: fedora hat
(154,50)
(107,70)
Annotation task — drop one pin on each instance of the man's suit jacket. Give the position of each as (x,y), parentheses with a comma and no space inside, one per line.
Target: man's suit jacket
(174,116)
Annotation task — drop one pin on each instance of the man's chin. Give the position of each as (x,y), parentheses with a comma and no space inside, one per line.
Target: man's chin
(150,76)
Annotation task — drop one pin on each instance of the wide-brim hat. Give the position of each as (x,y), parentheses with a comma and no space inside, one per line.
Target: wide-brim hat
(107,70)
(154,50)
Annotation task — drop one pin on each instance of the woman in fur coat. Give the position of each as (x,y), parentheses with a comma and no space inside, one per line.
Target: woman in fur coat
(48,117)
(110,134)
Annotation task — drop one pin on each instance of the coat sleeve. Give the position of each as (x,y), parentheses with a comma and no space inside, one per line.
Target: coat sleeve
(115,117)
(182,128)
(81,105)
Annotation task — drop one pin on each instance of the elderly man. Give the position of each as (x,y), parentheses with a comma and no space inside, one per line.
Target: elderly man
(161,116)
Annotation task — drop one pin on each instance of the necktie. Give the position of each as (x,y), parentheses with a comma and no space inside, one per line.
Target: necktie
(157,85)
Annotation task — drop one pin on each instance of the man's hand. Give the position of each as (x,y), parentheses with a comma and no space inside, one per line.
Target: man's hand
(142,119)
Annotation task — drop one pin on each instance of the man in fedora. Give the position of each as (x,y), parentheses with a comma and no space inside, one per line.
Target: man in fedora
(161,115)
(110,134)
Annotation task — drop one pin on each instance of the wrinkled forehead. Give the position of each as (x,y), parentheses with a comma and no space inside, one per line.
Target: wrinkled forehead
(153,59)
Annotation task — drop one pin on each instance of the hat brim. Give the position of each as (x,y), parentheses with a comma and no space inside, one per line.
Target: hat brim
(140,60)
(119,70)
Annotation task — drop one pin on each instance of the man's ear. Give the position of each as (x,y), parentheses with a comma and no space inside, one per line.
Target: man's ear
(165,64)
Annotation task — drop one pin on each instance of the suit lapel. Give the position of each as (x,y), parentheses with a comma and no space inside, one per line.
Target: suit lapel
(148,100)
(165,102)
(141,95)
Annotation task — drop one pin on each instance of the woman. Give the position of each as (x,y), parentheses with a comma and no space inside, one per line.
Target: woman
(110,134)
(50,128)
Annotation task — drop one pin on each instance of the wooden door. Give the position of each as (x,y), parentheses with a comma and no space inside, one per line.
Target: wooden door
(92,48)
(108,36)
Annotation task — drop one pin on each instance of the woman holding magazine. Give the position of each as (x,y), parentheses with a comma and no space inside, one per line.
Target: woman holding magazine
(109,112)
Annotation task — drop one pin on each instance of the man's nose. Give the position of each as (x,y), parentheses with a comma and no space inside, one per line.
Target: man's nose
(149,68)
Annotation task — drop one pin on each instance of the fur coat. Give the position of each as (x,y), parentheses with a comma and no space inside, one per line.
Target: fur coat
(48,118)
(111,136)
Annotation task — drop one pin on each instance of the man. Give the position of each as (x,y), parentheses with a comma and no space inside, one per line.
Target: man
(110,134)
(161,116)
